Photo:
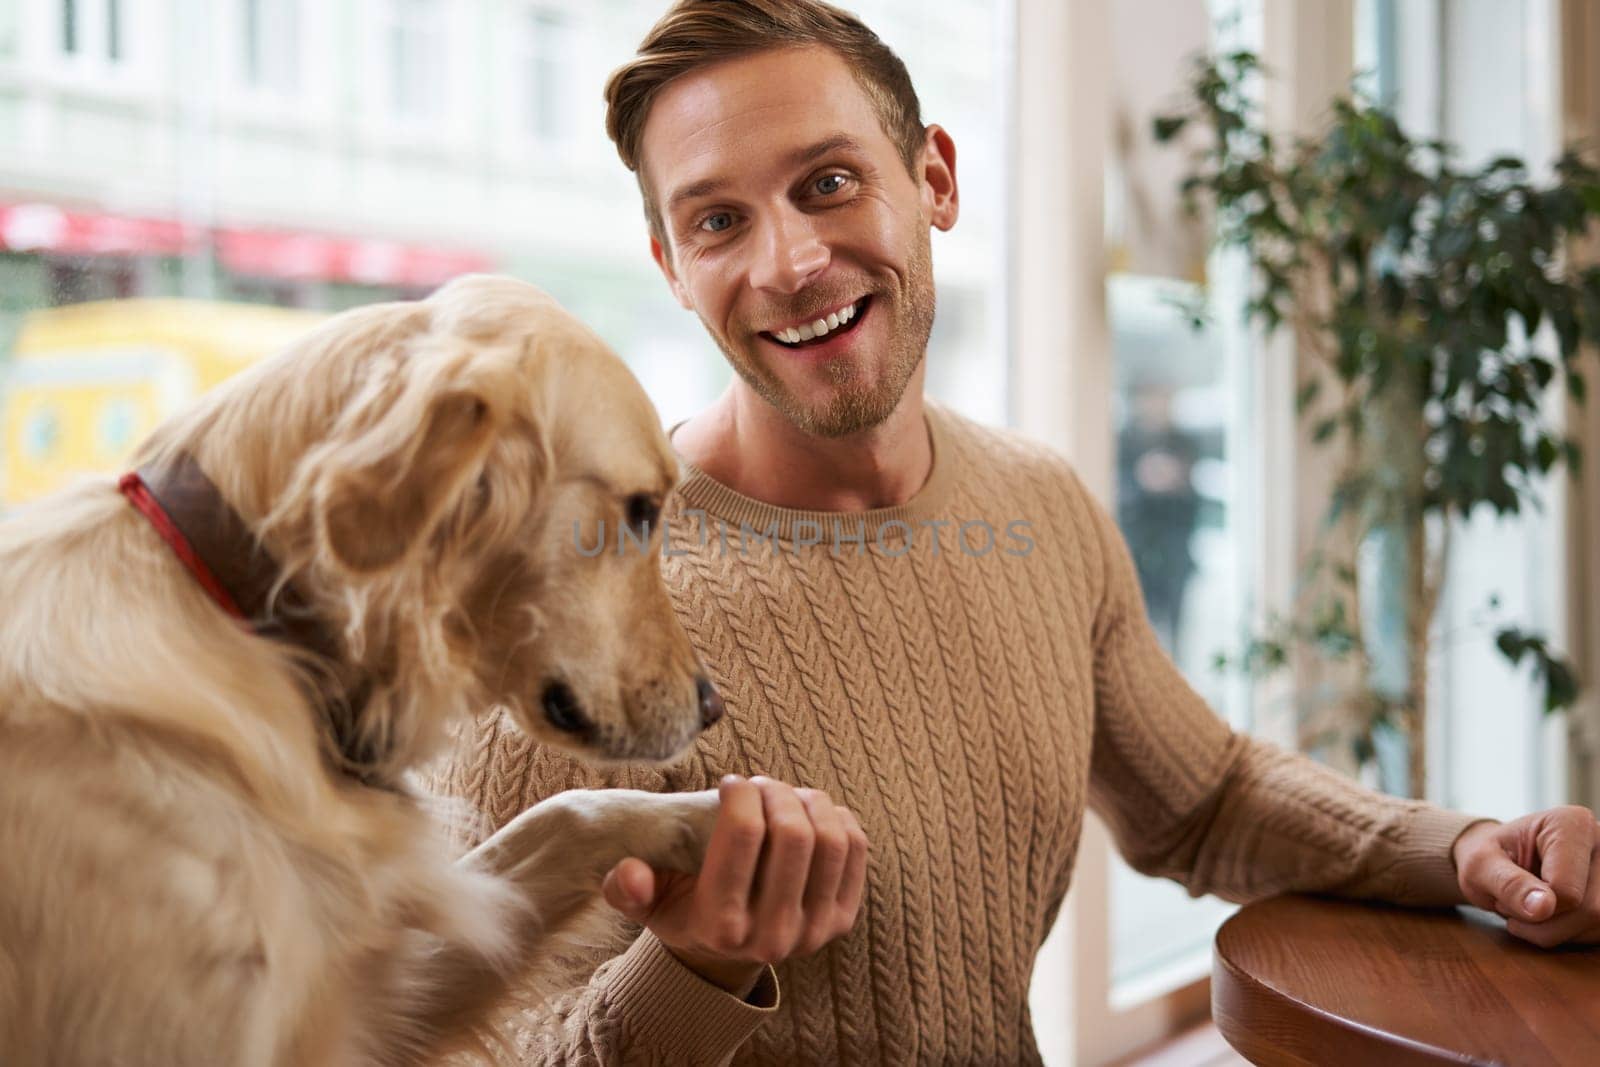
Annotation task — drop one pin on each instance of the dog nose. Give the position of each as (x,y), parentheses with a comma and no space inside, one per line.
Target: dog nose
(711,708)
(562,709)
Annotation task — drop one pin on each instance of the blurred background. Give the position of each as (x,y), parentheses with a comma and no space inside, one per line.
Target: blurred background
(320,155)
(186,183)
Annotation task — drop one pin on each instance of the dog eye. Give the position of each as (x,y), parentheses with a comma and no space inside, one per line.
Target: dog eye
(643,511)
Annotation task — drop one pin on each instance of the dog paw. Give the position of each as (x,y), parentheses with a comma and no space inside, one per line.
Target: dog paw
(684,824)
(666,830)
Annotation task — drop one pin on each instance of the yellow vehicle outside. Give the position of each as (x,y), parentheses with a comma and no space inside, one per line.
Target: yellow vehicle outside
(87,382)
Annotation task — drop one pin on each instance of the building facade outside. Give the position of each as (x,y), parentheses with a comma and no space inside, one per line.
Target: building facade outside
(323,155)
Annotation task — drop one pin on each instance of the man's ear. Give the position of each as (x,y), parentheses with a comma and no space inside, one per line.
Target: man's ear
(381,493)
(940,195)
(664,261)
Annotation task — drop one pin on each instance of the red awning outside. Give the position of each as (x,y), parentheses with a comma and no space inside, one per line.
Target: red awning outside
(47,228)
(258,253)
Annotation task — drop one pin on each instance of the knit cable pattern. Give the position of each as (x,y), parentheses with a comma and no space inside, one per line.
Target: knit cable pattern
(966,706)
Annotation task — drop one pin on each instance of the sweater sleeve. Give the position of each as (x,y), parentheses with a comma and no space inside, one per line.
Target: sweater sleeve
(642,1007)
(630,1001)
(1188,798)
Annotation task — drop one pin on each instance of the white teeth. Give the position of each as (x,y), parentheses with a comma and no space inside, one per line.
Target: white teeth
(794,335)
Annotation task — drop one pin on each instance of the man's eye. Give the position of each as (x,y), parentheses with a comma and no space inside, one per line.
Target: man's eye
(717,223)
(830,184)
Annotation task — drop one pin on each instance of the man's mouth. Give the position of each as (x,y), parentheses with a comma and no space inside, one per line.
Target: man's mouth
(820,331)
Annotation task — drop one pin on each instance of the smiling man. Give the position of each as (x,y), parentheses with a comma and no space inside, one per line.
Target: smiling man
(926,621)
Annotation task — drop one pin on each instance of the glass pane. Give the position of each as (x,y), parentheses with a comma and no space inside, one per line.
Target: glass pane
(418,59)
(10,34)
(549,52)
(114,30)
(254,66)
(69,26)
(407,83)
(1476,73)
(270,45)
(953,51)
(1182,486)
(1178,466)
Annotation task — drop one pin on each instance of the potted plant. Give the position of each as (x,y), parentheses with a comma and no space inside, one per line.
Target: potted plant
(1437,306)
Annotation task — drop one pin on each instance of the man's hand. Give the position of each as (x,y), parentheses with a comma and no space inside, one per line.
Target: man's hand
(1541,872)
(783,875)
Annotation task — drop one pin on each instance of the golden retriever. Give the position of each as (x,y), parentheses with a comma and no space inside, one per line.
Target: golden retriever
(208,853)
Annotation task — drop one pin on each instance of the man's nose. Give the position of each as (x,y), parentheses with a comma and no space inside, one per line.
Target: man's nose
(792,255)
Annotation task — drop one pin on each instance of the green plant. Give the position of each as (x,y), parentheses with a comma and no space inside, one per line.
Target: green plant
(1438,304)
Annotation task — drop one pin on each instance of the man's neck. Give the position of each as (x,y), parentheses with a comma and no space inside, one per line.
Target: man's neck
(746,444)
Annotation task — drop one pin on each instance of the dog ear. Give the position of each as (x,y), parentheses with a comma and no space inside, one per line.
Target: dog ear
(383,493)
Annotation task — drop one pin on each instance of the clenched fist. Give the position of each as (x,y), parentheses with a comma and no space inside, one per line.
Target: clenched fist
(1541,872)
(783,875)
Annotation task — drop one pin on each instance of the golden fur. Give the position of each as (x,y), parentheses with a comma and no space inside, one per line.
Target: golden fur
(187,876)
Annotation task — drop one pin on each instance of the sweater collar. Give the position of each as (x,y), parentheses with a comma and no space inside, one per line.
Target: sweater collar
(699,491)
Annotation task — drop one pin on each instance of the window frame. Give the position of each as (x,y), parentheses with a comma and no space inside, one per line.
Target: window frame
(88,67)
(571,157)
(528,49)
(1578,33)
(1061,390)
(443,125)
(236,48)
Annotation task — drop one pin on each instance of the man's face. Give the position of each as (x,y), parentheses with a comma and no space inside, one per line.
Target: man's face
(783,202)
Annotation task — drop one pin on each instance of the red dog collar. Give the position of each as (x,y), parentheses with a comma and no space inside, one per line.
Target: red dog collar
(219,549)
(138,493)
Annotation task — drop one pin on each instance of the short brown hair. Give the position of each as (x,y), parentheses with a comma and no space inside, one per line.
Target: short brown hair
(695,33)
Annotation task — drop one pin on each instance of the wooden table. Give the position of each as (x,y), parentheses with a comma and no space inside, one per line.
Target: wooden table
(1299,980)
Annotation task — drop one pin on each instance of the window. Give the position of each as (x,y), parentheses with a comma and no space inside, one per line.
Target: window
(1158,420)
(546,65)
(92,35)
(956,54)
(113,31)
(423,138)
(1211,477)
(1182,426)
(79,279)
(1178,424)
(1482,76)
(415,59)
(270,46)
(10,34)
(69,27)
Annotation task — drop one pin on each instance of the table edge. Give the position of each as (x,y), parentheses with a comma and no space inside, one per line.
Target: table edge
(1236,996)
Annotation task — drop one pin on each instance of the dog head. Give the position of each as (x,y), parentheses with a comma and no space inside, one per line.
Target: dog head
(423,471)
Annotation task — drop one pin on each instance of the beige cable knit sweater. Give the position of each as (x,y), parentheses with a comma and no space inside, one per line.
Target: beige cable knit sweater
(967,691)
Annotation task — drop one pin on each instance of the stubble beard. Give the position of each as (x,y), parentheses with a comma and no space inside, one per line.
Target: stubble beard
(855,404)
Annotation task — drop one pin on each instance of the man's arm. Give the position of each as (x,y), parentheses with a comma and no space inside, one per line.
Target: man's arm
(642,1006)
(1223,813)
(783,874)
(1542,872)
(1188,799)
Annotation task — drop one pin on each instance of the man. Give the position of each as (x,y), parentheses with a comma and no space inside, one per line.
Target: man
(927,621)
